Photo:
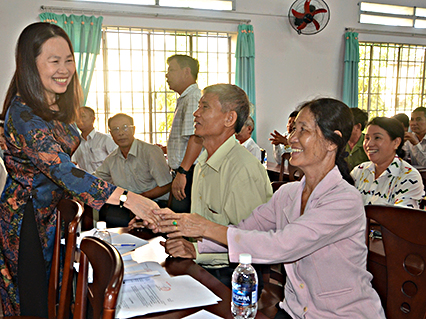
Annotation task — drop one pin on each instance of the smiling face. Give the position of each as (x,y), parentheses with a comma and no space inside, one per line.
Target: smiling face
(56,67)
(379,146)
(310,148)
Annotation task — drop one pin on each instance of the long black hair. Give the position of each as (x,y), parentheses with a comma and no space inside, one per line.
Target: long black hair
(27,82)
(333,115)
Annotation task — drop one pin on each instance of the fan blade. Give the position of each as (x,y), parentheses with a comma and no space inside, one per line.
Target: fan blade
(315,22)
(302,26)
(319,11)
(297,14)
(307,3)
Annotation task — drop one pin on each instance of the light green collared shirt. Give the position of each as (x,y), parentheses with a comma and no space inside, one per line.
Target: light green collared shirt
(226,188)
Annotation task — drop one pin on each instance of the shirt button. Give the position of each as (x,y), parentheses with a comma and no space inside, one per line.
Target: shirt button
(302,286)
(305,309)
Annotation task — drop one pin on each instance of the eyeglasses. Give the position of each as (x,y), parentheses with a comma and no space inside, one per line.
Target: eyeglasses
(124,128)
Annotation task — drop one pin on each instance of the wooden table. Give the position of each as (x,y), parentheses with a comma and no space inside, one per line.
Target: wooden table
(273,171)
(181,266)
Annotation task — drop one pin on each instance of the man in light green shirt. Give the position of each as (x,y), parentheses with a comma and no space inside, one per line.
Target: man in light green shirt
(229,182)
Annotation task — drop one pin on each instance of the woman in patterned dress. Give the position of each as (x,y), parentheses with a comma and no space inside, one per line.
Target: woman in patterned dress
(40,106)
(387,179)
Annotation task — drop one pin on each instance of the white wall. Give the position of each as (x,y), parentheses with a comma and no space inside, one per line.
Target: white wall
(289,68)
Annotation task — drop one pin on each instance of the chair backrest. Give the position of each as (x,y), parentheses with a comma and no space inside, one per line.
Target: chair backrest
(404,240)
(69,214)
(262,156)
(294,173)
(108,273)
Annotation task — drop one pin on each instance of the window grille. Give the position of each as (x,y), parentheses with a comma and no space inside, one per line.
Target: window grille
(130,74)
(391,78)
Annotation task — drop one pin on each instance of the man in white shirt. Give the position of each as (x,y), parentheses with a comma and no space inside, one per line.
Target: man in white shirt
(244,137)
(135,165)
(415,141)
(279,141)
(94,146)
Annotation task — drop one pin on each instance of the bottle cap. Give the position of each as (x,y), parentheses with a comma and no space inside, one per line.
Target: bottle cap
(245,259)
(101,225)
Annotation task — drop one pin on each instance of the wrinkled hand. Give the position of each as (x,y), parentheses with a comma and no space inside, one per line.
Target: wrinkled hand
(178,186)
(408,136)
(179,247)
(277,138)
(143,208)
(182,224)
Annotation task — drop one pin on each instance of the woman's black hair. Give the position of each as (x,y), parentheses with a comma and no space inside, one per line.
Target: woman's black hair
(333,115)
(394,128)
(27,82)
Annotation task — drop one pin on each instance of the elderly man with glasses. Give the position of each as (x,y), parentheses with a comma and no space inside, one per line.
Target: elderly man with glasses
(135,165)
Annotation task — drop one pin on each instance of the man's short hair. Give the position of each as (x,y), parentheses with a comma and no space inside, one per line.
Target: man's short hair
(249,122)
(403,118)
(360,117)
(120,115)
(88,109)
(293,114)
(232,98)
(186,61)
(420,109)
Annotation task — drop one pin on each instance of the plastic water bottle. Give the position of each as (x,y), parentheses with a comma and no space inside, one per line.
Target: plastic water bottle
(265,161)
(101,232)
(244,289)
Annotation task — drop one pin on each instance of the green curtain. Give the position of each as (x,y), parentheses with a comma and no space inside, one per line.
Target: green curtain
(350,80)
(85,34)
(244,73)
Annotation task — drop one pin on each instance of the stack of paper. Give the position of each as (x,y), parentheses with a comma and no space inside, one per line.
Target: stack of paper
(156,294)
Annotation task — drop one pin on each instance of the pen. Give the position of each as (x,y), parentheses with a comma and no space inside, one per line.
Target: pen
(125,245)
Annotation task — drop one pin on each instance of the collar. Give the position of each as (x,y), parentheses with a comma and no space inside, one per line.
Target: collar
(393,169)
(324,186)
(247,142)
(216,160)
(91,135)
(133,150)
(189,89)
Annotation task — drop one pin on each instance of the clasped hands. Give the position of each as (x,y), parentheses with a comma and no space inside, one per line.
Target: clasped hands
(177,226)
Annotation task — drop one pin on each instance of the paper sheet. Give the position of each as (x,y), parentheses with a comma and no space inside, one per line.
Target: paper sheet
(155,294)
(202,314)
(131,242)
(133,270)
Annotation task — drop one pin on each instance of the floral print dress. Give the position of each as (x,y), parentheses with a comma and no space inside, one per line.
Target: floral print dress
(39,167)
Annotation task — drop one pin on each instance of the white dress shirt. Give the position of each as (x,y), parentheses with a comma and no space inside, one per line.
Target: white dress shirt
(92,152)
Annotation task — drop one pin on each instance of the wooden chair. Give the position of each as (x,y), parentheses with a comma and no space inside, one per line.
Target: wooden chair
(294,173)
(404,241)
(108,273)
(69,214)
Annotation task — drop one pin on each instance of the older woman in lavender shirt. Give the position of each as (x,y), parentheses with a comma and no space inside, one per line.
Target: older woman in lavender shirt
(316,227)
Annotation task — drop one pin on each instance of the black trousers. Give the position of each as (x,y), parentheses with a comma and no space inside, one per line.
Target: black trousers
(183,206)
(32,276)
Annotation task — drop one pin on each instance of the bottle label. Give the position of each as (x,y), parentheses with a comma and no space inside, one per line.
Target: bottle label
(244,294)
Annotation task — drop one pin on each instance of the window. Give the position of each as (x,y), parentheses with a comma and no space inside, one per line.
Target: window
(394,15)
(130,74)
(391,78)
